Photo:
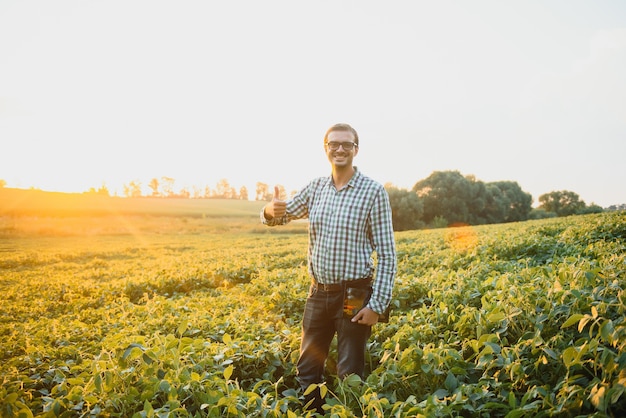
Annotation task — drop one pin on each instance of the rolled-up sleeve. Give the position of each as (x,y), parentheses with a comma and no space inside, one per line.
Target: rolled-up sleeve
(274,221)
(383,241)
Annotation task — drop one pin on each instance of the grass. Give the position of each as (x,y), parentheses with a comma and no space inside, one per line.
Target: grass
(37,213)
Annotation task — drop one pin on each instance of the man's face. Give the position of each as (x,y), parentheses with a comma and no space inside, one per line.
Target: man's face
(340,157)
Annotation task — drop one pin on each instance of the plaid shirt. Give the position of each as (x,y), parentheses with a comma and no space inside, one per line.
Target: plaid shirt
(345,228)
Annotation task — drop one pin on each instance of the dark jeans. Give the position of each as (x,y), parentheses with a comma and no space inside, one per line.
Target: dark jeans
(323,317)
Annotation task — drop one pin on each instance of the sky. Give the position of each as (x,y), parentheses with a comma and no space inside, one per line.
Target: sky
(102,93)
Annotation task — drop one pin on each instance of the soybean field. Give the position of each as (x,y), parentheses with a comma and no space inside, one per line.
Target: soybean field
(193,315)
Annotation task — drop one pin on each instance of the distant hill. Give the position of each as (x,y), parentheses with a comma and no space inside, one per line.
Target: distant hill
(20,202)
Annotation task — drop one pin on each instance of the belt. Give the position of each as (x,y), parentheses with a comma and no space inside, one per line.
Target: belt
(336,287)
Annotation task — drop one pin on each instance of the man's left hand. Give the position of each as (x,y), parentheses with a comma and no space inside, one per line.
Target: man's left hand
(366,316)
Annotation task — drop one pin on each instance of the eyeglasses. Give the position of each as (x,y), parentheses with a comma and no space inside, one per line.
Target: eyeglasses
(347,146)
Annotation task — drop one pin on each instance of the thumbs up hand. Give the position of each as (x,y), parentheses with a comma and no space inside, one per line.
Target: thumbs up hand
(276,208)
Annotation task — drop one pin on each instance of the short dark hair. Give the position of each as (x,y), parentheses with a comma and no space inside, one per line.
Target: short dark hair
(342,127)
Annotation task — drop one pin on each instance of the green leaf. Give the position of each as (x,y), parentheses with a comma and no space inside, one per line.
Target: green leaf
(11,398)
(451,382)
(98,382)
(496,316)
(551,353)
(310,389)
(495,405)
(164,386)
(606,330)
(569,356)
(147,359)
(516,413)
(574,319)
(495,348)
(147,406)
(323,390)
(131,348)
(75,381)
(353,380)
(228,372)
(108,380)
(182,328)
(440,393)
(615,393)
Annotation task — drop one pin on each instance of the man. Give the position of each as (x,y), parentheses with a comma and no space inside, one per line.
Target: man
(349,219)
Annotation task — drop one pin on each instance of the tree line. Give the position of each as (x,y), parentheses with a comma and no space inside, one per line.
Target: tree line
(449,198)
(164,187)
(442,199)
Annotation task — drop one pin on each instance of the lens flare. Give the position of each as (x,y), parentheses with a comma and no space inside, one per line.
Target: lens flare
(461,237)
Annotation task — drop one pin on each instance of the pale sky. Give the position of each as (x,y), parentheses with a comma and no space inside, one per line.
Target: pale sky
(107,92)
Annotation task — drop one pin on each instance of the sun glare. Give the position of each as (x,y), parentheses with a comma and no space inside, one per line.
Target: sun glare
(461,237)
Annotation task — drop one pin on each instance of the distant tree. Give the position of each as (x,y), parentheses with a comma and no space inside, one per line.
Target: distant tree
(515,203)
(538,213)
(439,222)
(184,192)
(243,193)
(464,199)
(261,191)
(167,184)
(496,204)
(154,185)
(621,206)
(445,194)
(563,203)
(103,191)
(132,189)
(478,197)
(207,192)
(406,209)
(592,208)
(3,183)
(223,190)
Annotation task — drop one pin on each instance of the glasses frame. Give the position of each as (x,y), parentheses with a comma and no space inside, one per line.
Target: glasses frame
(341,144)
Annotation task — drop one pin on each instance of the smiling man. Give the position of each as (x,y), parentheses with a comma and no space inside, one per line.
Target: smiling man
(349,221)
